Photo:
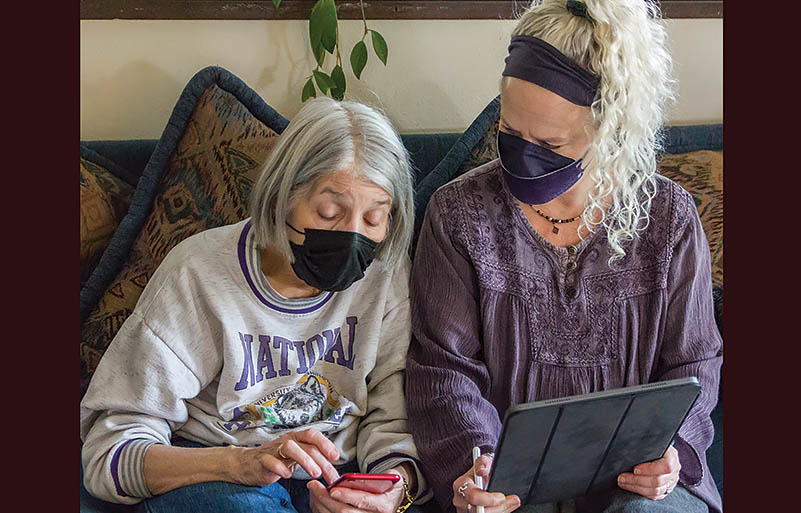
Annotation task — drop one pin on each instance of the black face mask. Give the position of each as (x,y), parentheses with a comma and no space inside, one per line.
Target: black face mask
(332,260)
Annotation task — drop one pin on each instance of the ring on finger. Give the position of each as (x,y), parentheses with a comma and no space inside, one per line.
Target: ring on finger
(280,453)
(463,488)
(291,465)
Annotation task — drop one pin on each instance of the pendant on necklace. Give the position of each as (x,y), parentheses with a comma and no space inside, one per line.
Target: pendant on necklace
(555,229)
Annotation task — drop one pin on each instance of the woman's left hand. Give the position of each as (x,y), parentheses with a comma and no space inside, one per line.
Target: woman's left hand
(348,500)
(655,479)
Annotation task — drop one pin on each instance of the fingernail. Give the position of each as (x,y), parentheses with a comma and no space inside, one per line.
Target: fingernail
(636,471)
(621,479)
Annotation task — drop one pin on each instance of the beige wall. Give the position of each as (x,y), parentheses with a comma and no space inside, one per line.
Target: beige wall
(440,74)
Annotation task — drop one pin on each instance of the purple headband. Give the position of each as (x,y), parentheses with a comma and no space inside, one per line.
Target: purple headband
(533,60)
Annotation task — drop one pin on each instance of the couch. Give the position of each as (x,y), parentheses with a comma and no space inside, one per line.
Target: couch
(141,197)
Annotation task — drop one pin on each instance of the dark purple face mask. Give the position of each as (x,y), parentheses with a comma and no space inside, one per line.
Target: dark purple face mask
(535,175)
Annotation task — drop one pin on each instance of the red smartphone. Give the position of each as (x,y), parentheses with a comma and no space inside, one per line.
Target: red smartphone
(373,483)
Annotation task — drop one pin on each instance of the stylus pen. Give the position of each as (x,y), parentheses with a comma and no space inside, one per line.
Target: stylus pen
(478,479)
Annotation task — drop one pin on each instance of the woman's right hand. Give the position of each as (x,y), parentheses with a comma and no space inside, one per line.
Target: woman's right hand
(472,495)
(266,464)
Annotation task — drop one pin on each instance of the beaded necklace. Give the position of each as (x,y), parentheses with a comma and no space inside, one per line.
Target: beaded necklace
(554,220)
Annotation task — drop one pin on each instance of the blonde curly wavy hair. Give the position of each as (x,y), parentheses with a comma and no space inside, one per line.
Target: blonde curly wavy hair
(624,43)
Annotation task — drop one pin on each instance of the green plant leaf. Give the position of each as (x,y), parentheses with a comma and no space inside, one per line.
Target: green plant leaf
(276,3)
(324,82)
(323,25)
(337,94)
(329,36)
(319,53)
(380,46)
(308,91)
(338,76)
(358,58)
(315,28)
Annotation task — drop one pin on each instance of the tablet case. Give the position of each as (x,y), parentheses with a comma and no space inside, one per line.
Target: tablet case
(562,448)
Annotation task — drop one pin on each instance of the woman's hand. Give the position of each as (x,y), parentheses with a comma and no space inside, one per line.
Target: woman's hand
(348,500)
(266,464)
(466,493)
(654,479)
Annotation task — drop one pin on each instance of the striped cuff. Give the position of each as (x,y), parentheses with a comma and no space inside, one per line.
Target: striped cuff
(391,460)
(127,468)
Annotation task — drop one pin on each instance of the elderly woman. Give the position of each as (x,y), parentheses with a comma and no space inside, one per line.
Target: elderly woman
(567,266)
(269,353)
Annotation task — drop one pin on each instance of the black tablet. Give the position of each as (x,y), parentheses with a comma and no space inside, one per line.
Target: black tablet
(562,448)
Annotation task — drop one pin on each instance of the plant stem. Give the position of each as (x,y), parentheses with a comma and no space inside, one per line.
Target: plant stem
(364,19)
(339,57)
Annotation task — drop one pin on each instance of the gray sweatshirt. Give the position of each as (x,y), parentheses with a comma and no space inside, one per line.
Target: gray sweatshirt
(213,354)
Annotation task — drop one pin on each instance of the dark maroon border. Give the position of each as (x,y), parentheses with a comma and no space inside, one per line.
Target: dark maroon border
(760,364)
(41,255)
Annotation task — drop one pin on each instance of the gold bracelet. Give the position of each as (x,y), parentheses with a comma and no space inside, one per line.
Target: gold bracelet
(407,500)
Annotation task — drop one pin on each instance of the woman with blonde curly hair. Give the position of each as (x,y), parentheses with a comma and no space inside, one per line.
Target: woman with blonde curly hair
(566,266)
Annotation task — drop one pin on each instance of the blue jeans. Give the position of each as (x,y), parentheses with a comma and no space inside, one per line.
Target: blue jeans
(622,501)
(285,496)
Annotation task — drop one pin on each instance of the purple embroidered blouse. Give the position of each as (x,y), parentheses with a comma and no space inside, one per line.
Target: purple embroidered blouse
(500,316)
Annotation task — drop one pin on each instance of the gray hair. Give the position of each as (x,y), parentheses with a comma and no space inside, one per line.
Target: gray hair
(328,135)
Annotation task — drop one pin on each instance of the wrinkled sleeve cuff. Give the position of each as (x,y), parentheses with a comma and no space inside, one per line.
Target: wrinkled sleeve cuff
(692,470)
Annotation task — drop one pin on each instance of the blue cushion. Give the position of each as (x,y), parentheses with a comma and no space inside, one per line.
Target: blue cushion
(101,159)
(427,150)
(128,157)
(117,251)
(687,138)
(450,165)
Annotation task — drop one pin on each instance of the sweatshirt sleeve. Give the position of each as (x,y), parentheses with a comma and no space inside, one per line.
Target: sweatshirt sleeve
(137,394)
(692,345)
(384,440)
(446,380)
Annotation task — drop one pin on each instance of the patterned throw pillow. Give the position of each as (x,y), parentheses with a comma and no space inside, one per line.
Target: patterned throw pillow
(701,173)
(204,183)
(104,199)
